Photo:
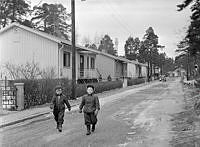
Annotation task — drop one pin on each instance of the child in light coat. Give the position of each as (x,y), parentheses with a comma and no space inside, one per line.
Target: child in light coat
(90,106)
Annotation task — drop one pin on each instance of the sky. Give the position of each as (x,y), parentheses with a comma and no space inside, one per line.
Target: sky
(123,18)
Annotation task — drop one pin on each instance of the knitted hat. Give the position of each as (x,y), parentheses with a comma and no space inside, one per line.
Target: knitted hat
(90,86)
(58,87)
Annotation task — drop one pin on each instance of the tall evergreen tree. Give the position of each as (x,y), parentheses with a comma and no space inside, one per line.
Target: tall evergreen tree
(107,45)
(13,11)
(193,33)
(52,19)
(131,48)
(150,46)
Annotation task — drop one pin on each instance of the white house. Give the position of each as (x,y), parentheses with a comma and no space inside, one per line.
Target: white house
(118,67)
(20,44)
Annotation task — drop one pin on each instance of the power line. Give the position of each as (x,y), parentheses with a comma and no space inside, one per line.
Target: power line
(118,17)
(114,19)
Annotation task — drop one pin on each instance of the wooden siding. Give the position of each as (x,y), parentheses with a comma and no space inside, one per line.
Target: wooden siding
(19,46)
(66,72)
(119,69)
(105,66)
(144,71)
(131,70)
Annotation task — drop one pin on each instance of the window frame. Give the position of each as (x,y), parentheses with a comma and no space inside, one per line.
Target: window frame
(88,62)
(92,64)
(66,59)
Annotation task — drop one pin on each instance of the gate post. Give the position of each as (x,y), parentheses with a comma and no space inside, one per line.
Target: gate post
(20,95)
(125,82)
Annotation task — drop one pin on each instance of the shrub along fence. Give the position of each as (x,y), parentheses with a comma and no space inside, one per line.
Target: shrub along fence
(38,92)
(197,84)
(135,81)
(41,91)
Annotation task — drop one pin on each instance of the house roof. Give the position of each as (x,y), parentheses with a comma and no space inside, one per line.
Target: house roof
(63,41)
(34,31)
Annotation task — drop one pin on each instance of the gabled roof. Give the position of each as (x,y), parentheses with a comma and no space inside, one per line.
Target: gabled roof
(63,41)
(34,31)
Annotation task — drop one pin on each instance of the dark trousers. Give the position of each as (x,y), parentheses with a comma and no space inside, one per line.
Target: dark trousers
(59,115)
(90,118)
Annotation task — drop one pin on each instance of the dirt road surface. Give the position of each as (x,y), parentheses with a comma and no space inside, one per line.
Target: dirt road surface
(140,117)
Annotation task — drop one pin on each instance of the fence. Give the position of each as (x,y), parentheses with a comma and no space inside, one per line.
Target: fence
(11,95)
(8,95)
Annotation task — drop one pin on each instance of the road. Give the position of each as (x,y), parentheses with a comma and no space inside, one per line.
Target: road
(135,118)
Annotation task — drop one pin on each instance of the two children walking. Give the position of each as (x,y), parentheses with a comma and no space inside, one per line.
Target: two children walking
(89,105)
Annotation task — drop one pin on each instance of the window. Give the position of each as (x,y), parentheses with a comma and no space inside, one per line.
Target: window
(66,59)
(88,62)
(92,61)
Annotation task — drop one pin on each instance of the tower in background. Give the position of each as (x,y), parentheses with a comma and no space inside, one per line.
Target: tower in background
(116,45)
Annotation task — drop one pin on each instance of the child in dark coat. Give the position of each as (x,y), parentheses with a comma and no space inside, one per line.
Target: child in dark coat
(90,106)
(58,105)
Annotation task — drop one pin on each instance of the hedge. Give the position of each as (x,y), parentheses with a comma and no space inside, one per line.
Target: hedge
(38,92)
(136,81)
(197,85)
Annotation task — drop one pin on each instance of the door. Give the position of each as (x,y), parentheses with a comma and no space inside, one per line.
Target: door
(81,66)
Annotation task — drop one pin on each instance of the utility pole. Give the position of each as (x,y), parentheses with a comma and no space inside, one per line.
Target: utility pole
(187,66)
(73,51)
(148,72)
(151,63)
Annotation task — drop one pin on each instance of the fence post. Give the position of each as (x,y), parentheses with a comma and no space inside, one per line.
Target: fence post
(20,95)
(125,82)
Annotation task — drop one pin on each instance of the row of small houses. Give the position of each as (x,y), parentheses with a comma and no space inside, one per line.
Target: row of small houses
(20,44)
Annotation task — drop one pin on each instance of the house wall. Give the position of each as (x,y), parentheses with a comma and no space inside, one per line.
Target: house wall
(144,71)
(19,46)
(105,66)
(131,70)
(119,69)
(88,72)
(66,72)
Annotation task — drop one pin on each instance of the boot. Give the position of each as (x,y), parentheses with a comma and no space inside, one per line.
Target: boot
(60,127)
(57,126)
(88,130)
(93,127)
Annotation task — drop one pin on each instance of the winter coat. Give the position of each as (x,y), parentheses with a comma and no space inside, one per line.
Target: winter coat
(89,104)
(60,104)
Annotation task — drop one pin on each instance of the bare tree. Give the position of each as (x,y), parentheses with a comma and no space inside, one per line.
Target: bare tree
(86,41)
(12,70)
(27,71)
(48,73)
(97,39)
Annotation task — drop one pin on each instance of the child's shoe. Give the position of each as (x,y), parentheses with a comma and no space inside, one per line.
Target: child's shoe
(60,127)
(93,128)
(88,130)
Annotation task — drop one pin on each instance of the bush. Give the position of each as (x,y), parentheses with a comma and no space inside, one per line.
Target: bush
(135,81)
(197,85)
(106,86)
(38,92)
(99,87)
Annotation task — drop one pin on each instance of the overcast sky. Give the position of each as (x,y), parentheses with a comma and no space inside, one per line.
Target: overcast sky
(123,18)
